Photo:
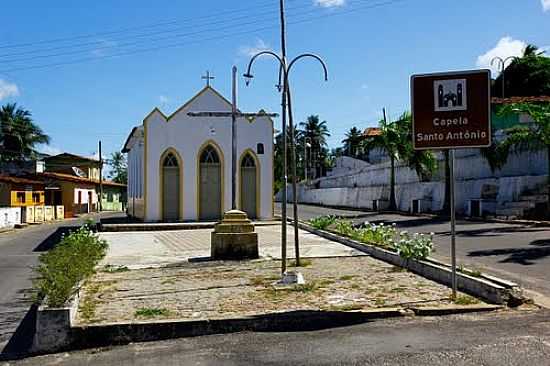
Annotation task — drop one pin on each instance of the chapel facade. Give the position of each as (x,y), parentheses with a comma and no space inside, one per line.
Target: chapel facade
(179,166)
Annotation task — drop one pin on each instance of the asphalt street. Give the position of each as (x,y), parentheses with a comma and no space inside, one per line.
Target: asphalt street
(519,253)
(19,251)
(503,339)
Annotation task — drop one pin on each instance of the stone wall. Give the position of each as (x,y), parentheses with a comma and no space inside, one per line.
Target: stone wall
(358,188)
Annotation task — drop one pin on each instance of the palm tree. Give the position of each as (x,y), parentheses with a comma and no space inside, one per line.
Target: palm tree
(317,132)
(18,134)
(352,142)
(119,167)
(395,138)
(528,75)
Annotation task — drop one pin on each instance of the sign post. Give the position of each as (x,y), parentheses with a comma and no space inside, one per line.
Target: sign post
(451,110)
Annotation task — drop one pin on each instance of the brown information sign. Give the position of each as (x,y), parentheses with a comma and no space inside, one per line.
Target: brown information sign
(451,110)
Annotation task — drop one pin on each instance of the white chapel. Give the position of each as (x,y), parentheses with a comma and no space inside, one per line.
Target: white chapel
(179,166)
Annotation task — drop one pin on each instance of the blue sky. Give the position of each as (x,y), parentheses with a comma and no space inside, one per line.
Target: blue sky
(371,48)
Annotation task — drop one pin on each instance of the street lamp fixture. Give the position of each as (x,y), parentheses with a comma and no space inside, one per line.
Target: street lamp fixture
(282,86)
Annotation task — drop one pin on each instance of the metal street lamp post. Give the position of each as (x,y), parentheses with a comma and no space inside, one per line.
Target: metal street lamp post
(502,67)
(284,71)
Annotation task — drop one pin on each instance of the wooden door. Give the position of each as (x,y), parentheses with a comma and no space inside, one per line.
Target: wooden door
(248,187)
(210,185)
(170,189)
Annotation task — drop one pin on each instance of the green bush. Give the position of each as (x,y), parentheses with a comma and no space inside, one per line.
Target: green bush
(61,269)
(322,222)
(417,246)
(344,227)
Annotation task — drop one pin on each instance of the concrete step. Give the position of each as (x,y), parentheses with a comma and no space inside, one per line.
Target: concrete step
(519,204)
(518,212)
(534,198)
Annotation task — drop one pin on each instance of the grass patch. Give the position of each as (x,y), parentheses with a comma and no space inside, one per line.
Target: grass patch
(89,303)
(465,300)
(61,269)
(396,269)
(398,289)
(109,268)
(355,286)
(347,277)
(151,312)
(379,301)
(303,263)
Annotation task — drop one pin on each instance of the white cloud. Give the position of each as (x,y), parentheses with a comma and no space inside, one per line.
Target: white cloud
(8,89)
(506,46)
(50,150)
(545,5)
(330,3)
(259,46)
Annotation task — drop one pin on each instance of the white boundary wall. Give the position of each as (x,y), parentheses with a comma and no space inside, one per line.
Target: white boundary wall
(9,217)
(358,188)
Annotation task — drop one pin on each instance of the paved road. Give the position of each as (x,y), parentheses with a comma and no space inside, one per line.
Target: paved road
(517,252)
(19,251)
(512,338)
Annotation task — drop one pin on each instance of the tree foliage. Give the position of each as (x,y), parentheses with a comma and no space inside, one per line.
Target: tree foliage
(528,75)
(352,142)
(19,135)
(119,168)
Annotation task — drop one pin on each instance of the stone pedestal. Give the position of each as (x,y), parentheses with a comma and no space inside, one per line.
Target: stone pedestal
(234,237)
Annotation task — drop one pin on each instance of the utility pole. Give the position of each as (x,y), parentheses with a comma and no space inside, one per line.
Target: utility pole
(234,140)
(284,70)
(100,179)
(284,114)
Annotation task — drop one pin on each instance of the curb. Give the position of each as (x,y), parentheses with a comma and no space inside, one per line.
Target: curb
(455,309)
(92,336)
(494,291)
(168,226)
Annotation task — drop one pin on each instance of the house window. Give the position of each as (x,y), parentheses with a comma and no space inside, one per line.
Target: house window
(20,197)
(109,196)
(36,197)
(260,149)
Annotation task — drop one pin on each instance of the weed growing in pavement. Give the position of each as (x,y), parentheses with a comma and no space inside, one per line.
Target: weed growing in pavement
(109,268)
(303,263)
(151,312)
(466,300)
(347,277)
(61,269)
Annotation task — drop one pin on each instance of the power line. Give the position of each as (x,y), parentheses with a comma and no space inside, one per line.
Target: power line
(173,36)
(180,44)
(124,30)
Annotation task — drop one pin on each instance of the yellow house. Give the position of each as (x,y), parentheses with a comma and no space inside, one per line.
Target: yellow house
(20,192)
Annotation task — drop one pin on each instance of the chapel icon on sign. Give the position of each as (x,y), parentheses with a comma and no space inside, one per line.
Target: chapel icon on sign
(450,95)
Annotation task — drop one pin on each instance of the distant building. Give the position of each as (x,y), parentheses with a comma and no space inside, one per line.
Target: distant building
(179,167)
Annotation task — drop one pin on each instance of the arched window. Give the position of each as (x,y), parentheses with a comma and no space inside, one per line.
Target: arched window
(248,161)
(209,156)
(170,161)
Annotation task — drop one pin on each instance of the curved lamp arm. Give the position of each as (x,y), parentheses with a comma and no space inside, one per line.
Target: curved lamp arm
(248,75)
(325,70)
(500,62)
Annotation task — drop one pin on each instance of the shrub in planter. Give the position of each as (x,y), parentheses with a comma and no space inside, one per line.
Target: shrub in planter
(417,246)
(322,222)
(61,269)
